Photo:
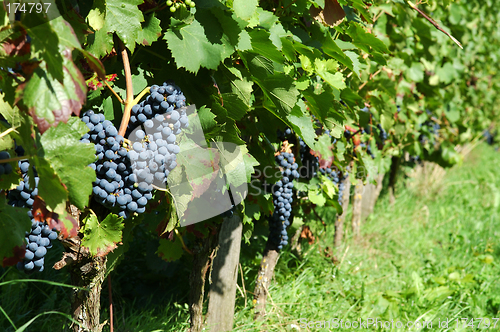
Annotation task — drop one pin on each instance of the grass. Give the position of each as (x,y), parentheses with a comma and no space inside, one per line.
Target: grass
(432,255)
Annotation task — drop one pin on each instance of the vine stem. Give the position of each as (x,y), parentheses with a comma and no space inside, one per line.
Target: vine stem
(434,23)
(371,77)
(129,101)
(8,131)
(4,161)
(114,92)
(110,304)
(182,241)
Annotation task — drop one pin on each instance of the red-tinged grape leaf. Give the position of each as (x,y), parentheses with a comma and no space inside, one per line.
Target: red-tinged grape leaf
(124,18)
(201,166)
(170,250)
(17,45)
(50,101)
(95,64)
(151,31)
(19,252)
(236,163)
(64,223)
(68,38)
(102,237)
(62,143)
(332,15)
(324,151)
(14,222)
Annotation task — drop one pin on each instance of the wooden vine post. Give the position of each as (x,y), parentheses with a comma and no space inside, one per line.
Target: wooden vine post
(264,276)
(393,177)
(204,253)
(357,208)
(87,272)
(223,276)
(340,219)
(269,260)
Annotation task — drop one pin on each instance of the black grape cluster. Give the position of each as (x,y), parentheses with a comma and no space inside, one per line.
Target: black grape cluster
(368,149)
(310,162)
(23,195)
(5,168)
(283,199)
(229,213)
(330,173)
(382,134)
(432,127)
(348,134)
(344,175)
(286,135)
(490,136)
(39,239)
(116,186)
(337,177)
(163,99)
(125,177)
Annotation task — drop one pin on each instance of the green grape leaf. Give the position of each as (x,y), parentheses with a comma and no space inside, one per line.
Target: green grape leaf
(281,90)
(236,107)
(97,15)
(207,120)
(446,73)
(365,40)
(327,70)
(61,144)
(50,188)
(302,123)
(415,72)
(243,89)
(102,237)
(151,31)
(263,45)
(170,250)
(13,223)
(202,43)
(316,197)
(100,43)
(245,9)
(124,18)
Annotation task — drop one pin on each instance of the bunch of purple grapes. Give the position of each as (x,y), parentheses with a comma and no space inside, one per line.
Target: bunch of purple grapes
(116,185)
(5,168)
(310,162)
(126,175)
(282,200)
(40,238)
